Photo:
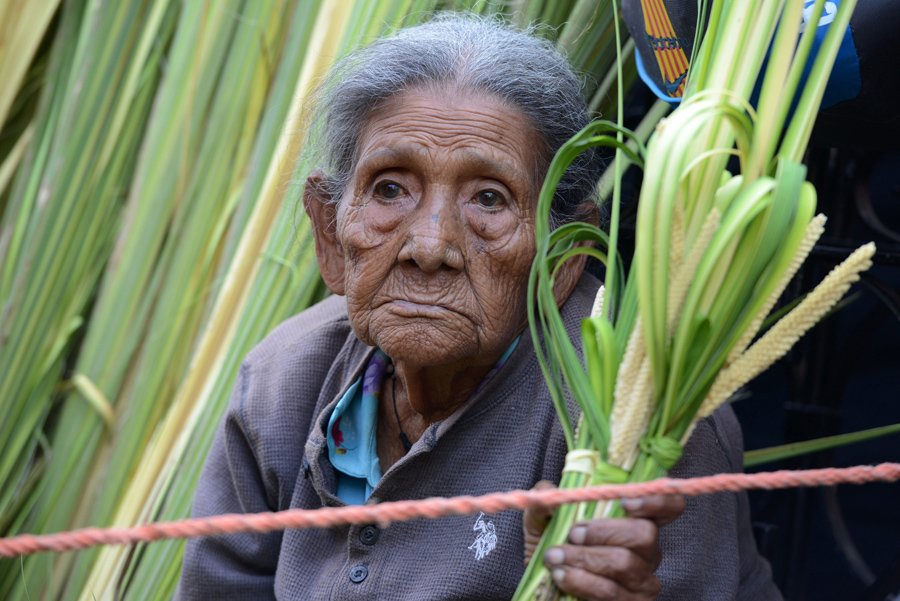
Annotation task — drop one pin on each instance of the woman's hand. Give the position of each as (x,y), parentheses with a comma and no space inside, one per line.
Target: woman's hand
(608,559)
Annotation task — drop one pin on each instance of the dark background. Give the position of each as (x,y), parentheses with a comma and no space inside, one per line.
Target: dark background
(840,543)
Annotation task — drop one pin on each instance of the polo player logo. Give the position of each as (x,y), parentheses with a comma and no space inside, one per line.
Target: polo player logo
(486,539)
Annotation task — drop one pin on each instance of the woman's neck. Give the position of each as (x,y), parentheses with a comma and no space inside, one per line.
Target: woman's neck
(430,394)
(416,397)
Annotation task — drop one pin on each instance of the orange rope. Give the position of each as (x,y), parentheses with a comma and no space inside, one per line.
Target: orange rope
(398,511)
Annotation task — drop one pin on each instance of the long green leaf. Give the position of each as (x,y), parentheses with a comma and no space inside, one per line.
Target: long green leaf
(796,449)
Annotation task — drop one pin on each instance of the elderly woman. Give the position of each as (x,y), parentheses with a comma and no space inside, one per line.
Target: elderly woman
(414,379)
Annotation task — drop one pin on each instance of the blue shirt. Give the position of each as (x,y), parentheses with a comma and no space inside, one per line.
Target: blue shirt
(352,446)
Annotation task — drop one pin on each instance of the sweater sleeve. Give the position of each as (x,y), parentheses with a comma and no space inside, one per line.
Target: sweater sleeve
(709,553)
(238,566)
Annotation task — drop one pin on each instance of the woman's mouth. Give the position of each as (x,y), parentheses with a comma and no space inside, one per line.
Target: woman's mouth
(407,308)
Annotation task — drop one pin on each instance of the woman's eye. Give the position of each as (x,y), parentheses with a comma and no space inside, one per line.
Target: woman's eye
(388,190)
(489,199)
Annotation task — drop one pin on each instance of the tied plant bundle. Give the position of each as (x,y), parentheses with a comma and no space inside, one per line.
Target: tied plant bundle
(671,342)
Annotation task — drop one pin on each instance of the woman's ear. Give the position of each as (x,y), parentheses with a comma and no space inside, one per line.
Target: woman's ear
(322,212)
(568,275)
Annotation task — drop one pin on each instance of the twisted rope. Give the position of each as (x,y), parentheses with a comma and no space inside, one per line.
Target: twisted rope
(399,511)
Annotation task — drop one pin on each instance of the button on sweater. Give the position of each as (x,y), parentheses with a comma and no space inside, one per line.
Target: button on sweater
(270,454)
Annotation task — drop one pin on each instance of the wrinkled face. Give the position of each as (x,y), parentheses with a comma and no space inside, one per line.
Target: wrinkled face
(437,227)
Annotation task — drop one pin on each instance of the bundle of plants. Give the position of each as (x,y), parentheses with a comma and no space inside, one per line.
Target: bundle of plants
(690,323)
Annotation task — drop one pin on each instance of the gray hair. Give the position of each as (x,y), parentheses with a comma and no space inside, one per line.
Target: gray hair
(469,52)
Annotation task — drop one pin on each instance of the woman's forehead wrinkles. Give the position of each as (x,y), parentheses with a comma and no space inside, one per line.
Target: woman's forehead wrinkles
(440,132)
(492,164)
(449,116)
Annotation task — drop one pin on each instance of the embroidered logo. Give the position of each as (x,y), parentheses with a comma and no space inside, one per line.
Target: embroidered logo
(486,539)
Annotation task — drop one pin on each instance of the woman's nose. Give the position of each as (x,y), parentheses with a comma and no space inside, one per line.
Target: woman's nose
(433,238)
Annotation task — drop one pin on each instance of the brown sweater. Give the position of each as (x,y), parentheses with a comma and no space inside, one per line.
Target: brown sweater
(270,454)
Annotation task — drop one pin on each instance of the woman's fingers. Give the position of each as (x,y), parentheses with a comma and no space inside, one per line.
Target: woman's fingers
(535,521)
(591,587)
(609,558)
(661,509)
(637,535)
(622,566)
